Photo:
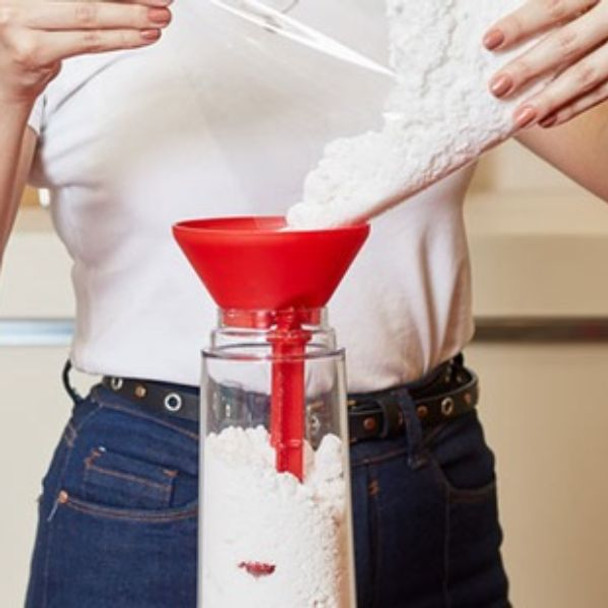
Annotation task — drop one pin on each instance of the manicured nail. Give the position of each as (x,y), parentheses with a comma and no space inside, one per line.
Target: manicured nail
(159,15)
(150,34)
(549,121)
(493,39)
(525,117)
(501,85)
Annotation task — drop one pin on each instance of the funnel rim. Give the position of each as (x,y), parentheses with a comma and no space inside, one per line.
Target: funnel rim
(249,263)
(195,226)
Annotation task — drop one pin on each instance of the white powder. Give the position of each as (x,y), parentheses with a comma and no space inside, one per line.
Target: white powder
(268,540)
(440,115)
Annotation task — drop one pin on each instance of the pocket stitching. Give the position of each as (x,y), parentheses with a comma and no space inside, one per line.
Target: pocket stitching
(469,495)
(380,459)
(128,477)
(132,515)
(164,489)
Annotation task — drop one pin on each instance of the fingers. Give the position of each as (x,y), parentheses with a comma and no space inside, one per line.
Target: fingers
(582,83)
(562,48)
(90,15)
(148,2)
(534,17)
(61,45)
(584,103)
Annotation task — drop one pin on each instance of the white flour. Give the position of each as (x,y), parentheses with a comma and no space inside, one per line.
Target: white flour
(440,115)
(268,540)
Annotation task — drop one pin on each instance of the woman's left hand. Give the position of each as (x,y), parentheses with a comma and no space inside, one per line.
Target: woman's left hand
(575,51)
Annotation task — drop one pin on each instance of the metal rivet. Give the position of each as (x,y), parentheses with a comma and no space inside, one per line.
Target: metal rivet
(173,402)
(447,406)
(369,424)
(468,398)
(63,497)
(351,403)
(140,391)
(422,411)
(116,384)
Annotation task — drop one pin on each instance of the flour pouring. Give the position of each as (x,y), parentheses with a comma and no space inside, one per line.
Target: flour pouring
(439,116)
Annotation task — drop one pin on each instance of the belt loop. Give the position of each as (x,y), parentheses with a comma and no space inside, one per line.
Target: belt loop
(65,377)
(413,431)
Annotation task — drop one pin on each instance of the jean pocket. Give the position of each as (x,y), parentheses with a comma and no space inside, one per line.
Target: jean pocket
(118,480)
(109,485)
(462,460)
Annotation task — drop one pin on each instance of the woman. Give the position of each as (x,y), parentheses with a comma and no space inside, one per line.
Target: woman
(123,161)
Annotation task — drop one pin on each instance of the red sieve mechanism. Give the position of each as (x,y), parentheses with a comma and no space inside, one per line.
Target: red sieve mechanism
(262,276)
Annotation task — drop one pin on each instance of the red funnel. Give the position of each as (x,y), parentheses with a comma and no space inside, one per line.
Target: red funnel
(249,264)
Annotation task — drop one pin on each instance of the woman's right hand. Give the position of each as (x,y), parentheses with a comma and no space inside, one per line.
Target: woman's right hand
(37,35)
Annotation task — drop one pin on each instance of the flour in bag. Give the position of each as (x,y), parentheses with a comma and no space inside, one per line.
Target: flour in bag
(439,117)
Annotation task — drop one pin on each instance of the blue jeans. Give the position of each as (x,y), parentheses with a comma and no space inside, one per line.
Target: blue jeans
(118,515)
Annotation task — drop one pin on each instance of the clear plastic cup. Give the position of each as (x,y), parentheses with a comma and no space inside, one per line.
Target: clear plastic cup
(276,525)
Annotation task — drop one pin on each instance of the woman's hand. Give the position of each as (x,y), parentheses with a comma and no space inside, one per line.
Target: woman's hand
(36,35)
(574,51)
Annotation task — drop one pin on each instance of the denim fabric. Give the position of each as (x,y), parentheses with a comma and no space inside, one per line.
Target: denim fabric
(126,534)
(118,515)
(426,519)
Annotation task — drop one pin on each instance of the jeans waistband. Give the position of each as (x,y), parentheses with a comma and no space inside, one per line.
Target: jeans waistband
(447,392)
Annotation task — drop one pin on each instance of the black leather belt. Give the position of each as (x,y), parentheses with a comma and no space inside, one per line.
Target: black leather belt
(158,397)
(448,392)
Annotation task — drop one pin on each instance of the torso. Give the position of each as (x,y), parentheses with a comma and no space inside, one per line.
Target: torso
(225,119)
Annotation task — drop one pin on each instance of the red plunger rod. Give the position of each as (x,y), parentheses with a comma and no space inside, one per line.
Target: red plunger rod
(287,411)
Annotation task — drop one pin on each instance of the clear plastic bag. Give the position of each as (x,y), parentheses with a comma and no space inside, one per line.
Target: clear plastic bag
(387,136)
(291,90)
(277,20)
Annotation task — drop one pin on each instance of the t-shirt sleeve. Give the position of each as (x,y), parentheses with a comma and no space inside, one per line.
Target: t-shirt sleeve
(35,119)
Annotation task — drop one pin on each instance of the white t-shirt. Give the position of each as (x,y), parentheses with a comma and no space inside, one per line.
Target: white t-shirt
(223,118)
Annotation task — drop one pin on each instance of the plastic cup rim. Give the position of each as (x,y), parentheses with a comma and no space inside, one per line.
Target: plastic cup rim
(234,352)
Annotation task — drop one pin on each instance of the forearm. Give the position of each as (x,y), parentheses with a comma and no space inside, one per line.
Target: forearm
(14,164)
(35,37)
(578,148)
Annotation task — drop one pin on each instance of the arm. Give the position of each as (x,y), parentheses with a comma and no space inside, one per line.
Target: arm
(18,143)
(35,37)
(578,148)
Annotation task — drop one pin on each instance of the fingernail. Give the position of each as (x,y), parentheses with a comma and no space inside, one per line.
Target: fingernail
(501,85)
(150,34)
(159,15)
(493,39)
(549,121)
(161,2)
(524,117)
